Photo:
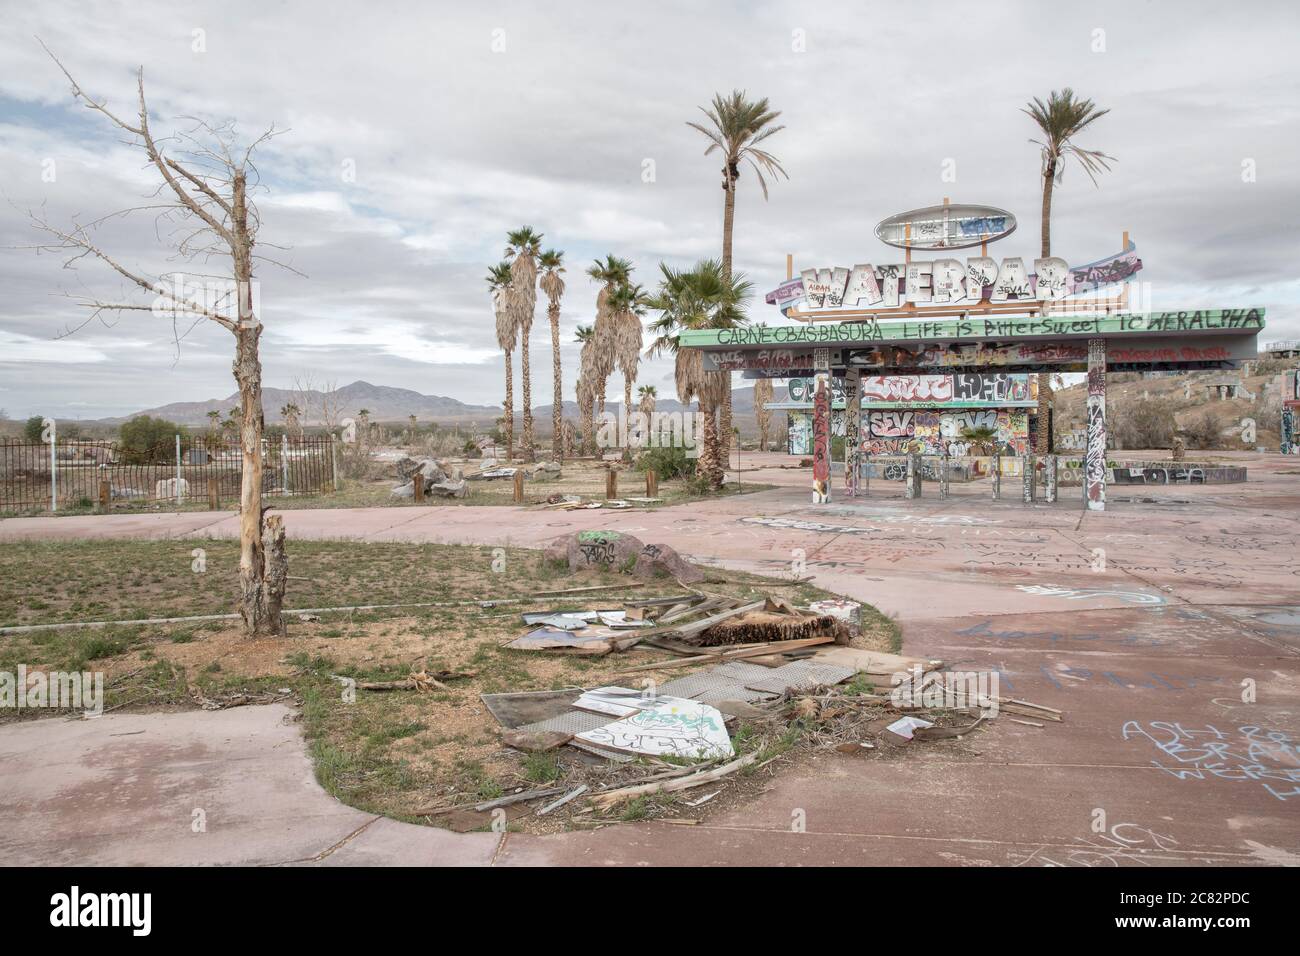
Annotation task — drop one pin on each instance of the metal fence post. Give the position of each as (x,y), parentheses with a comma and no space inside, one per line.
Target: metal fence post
(54,467)
(284,463)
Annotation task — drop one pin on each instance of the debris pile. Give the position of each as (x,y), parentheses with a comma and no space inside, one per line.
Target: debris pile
(439,478)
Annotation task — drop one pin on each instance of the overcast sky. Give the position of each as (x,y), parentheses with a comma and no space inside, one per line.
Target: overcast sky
(465,120)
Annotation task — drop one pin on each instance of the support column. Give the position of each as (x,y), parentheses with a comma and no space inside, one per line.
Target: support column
(852,432)
(1027,479)
(821,427)
(943,472)
(912,487)
(996,476)
(1094,466)
(1049,479)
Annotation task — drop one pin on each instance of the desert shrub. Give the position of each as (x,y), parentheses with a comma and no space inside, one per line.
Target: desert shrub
(146,440)
(1144,424)
(33,427)
(1203,431)
(668,461)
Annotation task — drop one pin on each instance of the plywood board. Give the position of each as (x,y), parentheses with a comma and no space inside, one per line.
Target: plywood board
(683,729)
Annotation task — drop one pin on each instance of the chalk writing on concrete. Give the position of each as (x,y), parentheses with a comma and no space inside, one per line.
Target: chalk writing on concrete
(986,629)
(1082,594)
(1245,754)
(1124,844)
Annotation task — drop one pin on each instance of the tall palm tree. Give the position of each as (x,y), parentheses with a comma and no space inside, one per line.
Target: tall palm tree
(290,413)
(551,262)
(523,247)
(214,420)
(762,414)
(627,306)
(1059,120)
(611,274)
(586,335)
(702,297)
(646,406)
(499,278)
(736,126)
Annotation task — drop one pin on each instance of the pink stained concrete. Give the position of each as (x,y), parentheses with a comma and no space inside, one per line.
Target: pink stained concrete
(986,585)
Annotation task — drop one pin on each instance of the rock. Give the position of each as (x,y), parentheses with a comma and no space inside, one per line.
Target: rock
(546,471)
(403,491)
(586,549)
(594,549)
(449,489)
(657,559)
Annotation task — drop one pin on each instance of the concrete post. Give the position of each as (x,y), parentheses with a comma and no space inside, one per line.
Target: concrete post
(178,468)
(912,486)
(865,487)
(852,432)
(1094,465)
(334,462)
(1049,479)
(943,474)
(1027,479)
(996,476)
(822,427)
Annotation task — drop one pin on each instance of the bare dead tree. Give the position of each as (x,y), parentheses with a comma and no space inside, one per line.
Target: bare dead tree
(202,208)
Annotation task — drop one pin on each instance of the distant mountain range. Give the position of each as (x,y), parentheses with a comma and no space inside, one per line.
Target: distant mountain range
(385,403)
(388,404)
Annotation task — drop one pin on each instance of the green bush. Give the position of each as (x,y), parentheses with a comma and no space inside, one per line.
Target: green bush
(32,428)
(667,461)
(147,440)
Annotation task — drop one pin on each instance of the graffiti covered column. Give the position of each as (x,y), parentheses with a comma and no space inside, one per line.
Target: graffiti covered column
(1094,470)
(852,431)
(822,426)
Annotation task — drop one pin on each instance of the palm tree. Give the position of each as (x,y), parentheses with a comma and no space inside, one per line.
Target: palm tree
(363,426)
(646,406)
(702,297)
(523,247)
(611,273)
(737,125)
(586,335)
(627,306)
(763,415)
(214,420)
(1059,120)
(551,263)
(290,413)
(499,278)
(983,438)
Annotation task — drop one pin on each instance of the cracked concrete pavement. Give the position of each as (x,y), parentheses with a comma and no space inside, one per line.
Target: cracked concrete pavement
(1140,623)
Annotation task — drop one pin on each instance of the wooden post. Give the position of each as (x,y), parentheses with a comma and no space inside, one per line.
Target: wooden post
(651,483)
(611,482)
(417,487)
(789,266)
(105,494)
(214,495)
(519,486)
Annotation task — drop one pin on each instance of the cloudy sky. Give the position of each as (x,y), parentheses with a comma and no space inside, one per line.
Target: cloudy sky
(464,120)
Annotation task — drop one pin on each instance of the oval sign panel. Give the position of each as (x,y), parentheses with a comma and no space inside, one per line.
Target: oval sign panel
(946,227)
